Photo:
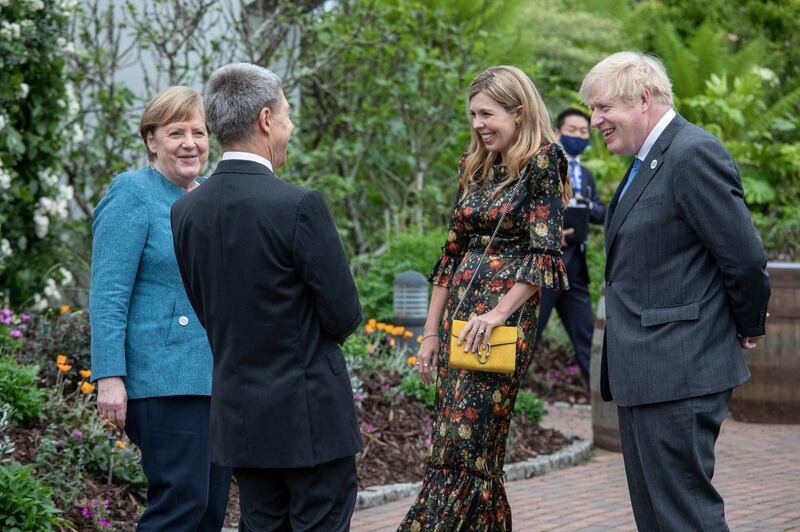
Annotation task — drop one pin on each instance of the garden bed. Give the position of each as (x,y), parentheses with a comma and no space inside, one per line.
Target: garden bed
(93,473)
(554,376)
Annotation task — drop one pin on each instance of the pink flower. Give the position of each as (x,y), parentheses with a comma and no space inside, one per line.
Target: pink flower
(573,369)
(368,427)
(86,512)
(77,434)
(15,333)
(24,317)
(357,397)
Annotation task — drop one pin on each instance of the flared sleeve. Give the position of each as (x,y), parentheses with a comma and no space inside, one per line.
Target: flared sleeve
(546,184)
(455,247)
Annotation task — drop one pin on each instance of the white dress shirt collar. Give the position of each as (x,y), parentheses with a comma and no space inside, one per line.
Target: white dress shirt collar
(654,134)
(246,156)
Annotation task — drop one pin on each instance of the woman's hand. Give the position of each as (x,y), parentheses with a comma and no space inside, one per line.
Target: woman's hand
(112,400)
(428,358)
(478,329)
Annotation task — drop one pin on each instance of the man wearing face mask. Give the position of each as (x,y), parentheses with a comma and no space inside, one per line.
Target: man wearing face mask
(574,306)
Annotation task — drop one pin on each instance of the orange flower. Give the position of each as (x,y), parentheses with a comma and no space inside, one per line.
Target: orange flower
(408,334)
(85,373)
(121,444)
(372,322)
(369,329)
(412,361)
(63,309)
(87,388)
(399,330)
(61,359)
(419,339)
(391,342)
(63,368)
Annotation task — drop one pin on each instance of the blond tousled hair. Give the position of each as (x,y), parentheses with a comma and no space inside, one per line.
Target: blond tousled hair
(626,75)
(511,88)
(173,104)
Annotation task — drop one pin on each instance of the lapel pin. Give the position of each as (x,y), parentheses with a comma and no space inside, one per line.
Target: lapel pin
(653,164)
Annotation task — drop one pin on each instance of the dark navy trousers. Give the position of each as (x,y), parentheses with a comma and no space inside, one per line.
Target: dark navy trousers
(574,307)
(185,492)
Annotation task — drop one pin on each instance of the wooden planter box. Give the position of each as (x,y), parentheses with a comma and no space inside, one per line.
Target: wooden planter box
(772,395)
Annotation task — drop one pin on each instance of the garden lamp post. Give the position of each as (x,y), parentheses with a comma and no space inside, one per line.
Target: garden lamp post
(410,303)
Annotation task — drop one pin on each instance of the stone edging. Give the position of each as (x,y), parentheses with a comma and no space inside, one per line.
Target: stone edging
(576,453)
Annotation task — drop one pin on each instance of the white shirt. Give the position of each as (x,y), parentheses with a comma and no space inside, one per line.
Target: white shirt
(654,134)
(246,156)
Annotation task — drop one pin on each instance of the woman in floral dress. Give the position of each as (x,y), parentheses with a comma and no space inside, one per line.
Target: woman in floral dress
(463,487)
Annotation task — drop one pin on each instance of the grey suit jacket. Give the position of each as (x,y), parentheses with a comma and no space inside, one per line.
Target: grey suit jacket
(685,272)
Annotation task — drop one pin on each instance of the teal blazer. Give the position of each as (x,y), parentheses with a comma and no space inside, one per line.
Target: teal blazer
(143,327)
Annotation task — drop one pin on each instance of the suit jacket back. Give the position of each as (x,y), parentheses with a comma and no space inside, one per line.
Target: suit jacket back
(266,274)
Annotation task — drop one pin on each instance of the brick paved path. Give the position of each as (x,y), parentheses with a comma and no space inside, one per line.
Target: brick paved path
(758,475)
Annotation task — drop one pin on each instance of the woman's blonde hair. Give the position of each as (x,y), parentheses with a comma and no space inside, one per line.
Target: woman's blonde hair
(511,88)
(626,75)
(173,104)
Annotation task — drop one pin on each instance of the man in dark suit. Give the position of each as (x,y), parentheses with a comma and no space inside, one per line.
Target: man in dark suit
(687,289)
(574,306)
(266,273)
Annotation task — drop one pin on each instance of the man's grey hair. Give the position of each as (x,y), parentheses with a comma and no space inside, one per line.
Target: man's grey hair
(235,95)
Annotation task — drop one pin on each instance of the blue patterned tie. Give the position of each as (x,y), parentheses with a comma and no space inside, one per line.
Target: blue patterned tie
(635,168)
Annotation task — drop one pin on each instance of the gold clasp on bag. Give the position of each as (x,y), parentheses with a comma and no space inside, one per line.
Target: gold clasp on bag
(484,358)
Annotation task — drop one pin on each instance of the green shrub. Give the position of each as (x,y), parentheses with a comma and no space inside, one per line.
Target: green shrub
(412,386)
(18,388)
(529,406)
(89,444)
(66,334)
(25,502)
(7,447)
(405,251)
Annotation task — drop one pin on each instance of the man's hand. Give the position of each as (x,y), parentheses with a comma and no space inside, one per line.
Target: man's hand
(112,400)
(568,231)
(750,342)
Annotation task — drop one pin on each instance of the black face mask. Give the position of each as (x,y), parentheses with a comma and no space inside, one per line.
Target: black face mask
(574,145)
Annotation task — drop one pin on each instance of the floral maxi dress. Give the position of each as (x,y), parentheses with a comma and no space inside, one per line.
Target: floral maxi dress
(463,487)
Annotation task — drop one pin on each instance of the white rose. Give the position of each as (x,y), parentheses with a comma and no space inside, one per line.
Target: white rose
(39,303)
(42,223)
(24,89)
(5,180)
(66,276)
(51,289)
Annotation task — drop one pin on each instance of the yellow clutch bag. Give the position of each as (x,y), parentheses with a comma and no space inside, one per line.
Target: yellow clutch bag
(499,356)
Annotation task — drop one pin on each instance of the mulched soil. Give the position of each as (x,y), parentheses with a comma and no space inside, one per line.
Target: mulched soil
(121,503)
(396,434)
(395,448)
(396,431)
(554,376)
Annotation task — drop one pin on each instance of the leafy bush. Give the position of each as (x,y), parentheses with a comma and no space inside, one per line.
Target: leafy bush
(59,463)
(92,444)
(33,108)
(67,334)
(7,446)
(412,386)
(529,406)
(25,502)
(404,251)
(18,388)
